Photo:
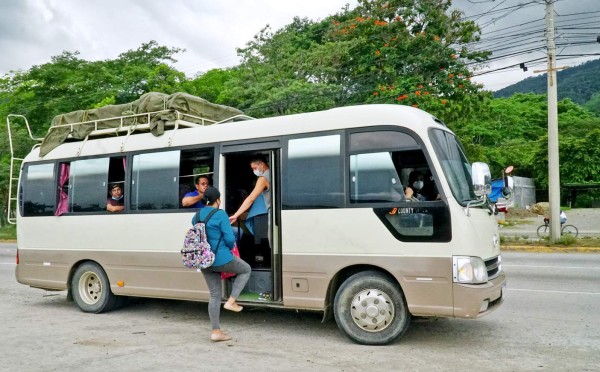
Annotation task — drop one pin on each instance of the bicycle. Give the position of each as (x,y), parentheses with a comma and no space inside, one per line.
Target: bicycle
(544,230)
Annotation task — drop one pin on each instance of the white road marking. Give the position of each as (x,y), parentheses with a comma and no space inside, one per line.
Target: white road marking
(555,267)
(548,291)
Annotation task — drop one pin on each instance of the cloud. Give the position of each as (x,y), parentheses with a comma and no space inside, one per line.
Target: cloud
(210,31)
(575,22)
(32,31)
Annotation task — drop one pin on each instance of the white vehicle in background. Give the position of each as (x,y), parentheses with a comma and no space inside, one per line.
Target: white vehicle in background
(345,240)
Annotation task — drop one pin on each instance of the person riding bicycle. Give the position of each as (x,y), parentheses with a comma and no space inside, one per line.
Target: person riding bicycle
(563,218)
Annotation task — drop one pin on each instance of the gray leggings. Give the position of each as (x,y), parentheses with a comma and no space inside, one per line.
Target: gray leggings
(212,275)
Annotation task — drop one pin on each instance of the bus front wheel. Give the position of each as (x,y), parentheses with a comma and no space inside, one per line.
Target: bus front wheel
(91,289)
(370,309)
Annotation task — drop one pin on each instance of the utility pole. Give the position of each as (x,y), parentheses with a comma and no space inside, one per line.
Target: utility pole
(553,163)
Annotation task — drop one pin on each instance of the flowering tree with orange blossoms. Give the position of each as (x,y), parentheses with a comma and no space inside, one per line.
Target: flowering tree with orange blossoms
(410,52)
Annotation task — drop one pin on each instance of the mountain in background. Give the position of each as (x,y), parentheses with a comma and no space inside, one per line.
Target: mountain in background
(578,83)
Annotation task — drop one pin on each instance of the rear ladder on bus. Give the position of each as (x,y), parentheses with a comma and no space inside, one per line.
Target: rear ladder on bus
(15,169)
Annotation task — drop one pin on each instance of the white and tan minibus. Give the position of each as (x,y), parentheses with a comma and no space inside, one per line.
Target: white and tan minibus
(346,240)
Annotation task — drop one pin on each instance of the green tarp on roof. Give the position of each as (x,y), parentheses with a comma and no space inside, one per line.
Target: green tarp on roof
(149,102)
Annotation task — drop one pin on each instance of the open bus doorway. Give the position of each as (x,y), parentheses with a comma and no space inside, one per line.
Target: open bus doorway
(252,228)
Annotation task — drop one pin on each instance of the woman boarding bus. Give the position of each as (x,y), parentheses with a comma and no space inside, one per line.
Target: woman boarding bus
(344,238)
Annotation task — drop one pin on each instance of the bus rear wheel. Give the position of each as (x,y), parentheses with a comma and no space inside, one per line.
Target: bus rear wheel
(91,289)
(370,309)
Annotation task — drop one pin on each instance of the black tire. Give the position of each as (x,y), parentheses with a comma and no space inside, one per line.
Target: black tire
(370,309)
(543,231)
(569,230)
(91,289)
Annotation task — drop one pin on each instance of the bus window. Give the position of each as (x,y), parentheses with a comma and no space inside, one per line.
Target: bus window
(154,181)
(374,179)
(87,185)
(194,163)
(116,185)
(38,190)
(376,158)
(380,164)
(83,185)
(313,173)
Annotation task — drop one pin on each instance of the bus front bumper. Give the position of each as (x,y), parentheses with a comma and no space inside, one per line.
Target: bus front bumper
(477,300)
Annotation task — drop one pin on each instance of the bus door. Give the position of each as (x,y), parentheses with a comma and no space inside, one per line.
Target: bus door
(258,229)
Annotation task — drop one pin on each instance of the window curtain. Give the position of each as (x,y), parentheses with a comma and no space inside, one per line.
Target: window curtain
(63,197)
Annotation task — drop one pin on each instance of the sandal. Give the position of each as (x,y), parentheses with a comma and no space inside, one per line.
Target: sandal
(219,337)
(237,308)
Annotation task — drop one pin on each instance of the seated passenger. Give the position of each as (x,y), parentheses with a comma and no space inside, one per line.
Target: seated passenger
(415,187)
(116,202)
(195,199)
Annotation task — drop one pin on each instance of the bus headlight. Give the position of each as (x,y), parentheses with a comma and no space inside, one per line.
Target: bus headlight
(469,270)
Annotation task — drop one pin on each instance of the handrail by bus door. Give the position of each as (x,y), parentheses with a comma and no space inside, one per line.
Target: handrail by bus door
(13,181)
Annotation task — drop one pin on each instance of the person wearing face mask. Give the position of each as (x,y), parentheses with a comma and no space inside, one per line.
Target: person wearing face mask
(115,202)
(415,187)
(221,239)
(263,187)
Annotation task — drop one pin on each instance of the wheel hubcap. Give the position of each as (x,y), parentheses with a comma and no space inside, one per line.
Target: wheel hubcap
(90,288)
(372,310)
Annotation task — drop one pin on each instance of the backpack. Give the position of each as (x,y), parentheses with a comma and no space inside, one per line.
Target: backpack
(197,252)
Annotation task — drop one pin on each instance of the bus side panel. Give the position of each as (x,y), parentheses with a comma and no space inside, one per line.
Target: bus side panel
(147,260)
(427,283)
(318,244)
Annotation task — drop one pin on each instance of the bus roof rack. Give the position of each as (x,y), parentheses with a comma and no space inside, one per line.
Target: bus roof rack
(152,112)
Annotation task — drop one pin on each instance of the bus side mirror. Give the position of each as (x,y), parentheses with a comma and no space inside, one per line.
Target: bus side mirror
(482,179)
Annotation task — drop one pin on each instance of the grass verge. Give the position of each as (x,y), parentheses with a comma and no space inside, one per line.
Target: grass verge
(8,232)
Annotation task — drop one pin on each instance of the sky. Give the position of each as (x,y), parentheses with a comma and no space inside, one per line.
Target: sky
(32,31)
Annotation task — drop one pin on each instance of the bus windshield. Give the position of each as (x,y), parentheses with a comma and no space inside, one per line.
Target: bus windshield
(454,163)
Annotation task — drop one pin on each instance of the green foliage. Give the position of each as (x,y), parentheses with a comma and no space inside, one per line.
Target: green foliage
(579,159)
(8,232)
(68,83)
(212,86)
(593,105)
(566,240)
(401,51)
(105,102)
(513,131)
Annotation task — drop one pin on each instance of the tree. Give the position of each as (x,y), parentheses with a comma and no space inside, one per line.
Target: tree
(68,83)
(277,75)
(579,159)
(593,104)
(400,51)
(212,86)
(513,131)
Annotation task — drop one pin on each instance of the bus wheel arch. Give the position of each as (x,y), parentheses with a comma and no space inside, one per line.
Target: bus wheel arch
(90,288)
(370,308)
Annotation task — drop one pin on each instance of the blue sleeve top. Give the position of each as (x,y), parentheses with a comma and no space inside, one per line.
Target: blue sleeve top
(199,204)
(218,227)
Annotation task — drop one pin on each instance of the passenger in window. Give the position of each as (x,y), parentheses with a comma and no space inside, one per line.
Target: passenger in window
(263,187)
(414,190)
(195,199)
(115,202)
(220,236)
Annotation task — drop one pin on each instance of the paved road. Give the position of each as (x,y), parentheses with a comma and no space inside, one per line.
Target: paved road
(549,322)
